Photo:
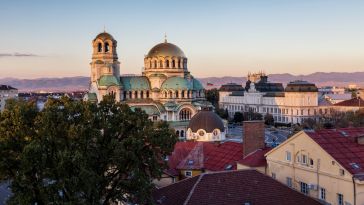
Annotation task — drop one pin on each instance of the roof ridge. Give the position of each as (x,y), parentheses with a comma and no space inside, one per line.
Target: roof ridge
(193,189)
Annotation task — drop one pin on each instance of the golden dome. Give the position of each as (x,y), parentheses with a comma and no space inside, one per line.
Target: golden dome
(104,35)
(166,49)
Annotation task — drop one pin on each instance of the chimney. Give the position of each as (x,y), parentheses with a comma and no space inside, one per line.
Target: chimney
(253,136)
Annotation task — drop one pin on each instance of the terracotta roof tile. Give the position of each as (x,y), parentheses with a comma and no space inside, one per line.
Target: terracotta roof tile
(230,187)
(341,144)
(354,102)
(255,159)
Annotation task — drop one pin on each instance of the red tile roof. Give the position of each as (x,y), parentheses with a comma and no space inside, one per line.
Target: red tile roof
(342,145)
(205,155)
(255,159)
(230,187)
(354,102)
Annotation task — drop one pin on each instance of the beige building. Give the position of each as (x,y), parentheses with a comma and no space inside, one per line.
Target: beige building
(6,92)
(327,165)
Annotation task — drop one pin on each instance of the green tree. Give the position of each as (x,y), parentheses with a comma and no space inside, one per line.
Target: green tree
(82,153)
(238,117)
(269,119)
(250,115)
(223,113)
(213,97)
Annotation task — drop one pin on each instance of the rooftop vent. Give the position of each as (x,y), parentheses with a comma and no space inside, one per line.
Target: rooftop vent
(355,165)
(229,167)
(343,133)
(190,162)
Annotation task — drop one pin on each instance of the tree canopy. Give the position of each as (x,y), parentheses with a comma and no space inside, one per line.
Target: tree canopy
(81,153)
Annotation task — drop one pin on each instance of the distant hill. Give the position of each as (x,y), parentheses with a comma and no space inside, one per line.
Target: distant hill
(80,83)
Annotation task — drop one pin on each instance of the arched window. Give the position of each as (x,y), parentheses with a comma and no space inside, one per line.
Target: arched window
(179,63)
(155,64)
(173,63)
(170,94)
(99,47)
(177,94)
(141,94)
(183,94)
(150,64)
(177,132)
(165,94)
(182,133)
(184,63)
(161,64)
(199,93)
(185,114)
(167,63)
(107,47)
(135,94)
(130,95)
(147,93)
(124,95)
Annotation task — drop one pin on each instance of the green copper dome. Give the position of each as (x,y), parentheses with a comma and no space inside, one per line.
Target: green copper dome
(177,83)
(109,80)
(197,85)
(135,83)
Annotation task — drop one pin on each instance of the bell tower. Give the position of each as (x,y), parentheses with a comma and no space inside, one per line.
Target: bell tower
(104,57)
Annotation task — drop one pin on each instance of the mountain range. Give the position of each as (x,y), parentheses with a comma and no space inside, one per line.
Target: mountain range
(80,83)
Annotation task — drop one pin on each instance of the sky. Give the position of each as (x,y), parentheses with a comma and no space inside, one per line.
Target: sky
(42,38)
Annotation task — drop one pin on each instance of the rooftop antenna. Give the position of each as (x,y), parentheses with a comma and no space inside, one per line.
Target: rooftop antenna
(165,37)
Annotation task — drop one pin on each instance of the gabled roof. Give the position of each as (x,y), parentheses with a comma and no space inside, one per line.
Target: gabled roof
(354,102)
(256,158)
(205,155)
(230,187)
(342,145)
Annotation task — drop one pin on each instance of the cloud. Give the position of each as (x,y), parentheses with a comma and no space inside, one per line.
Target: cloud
(18,55)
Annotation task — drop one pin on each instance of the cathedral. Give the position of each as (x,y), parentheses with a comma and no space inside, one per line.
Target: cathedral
(165,90)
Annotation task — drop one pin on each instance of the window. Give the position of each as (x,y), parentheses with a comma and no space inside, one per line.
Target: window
(173,63)
(188,173)
(289,181)
(185,114)
(167,63)
(99,47)
(304,159)
(288,156)
(155,64)
(322,194)
(340,199)
(342,172)
(311,161)
(107,47)
(304,187)
(273,175)
(161,64)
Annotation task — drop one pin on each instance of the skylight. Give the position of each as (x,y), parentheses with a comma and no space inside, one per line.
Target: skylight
(190,162)
(355,165)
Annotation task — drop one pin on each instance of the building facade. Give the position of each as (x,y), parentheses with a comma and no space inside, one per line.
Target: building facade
(296,102)
(6,92)
(327,165)
(165,90)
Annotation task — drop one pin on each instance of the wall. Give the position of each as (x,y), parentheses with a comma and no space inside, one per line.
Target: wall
(325,171)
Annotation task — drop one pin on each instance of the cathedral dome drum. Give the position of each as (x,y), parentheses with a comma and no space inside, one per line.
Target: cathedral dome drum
(206,126)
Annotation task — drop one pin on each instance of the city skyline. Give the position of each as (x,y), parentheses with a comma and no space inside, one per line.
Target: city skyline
(43,39)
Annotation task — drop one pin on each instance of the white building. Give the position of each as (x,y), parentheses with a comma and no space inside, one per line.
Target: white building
(298,101)
(6,92)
